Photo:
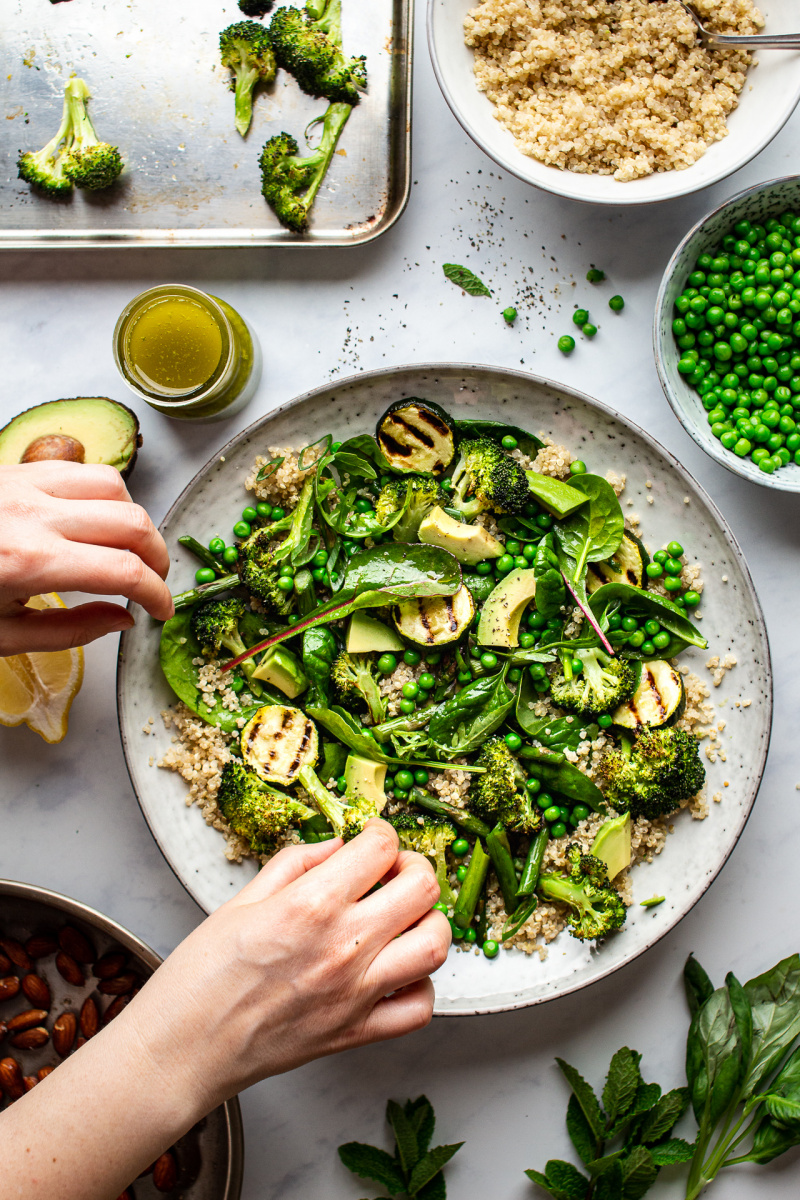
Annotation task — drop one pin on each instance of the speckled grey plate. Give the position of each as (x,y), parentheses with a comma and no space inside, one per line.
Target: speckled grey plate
(732,622)
(755,204)
(211,1155)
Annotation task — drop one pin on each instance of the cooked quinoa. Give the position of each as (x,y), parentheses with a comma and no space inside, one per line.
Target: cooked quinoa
(609,87)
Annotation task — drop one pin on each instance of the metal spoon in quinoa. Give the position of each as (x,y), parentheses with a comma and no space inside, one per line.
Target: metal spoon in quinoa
(753,41)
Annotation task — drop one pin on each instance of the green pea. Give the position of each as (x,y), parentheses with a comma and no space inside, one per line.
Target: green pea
(241,529)
(362,505)
(514,675)
(264,511)
(533,785)
(648,649)
(629,623)
(460,847)
(412,658)
(545,800)
(483,568)
(457,931)
(654,570)
(490,948)
(566,344)
(616,303)
(205,575)
(509,442)
(673,567)
(544,521)
(595,275)
(464,677)
(504,564)
(660,556)
(278,513)
(407,706)
(513,547)
(691,599)
(558,830)
(529,551)
(470,935)
(216,545)
(509,316)
(286,583)
(410,690)
(461,875)
(578,467)
(399,794)
(589,330)
(605,721)
(318,574)
(488,660)
(672,583)
(386,664)
(652,627)
(249,514)
(580,317)
(553,813)
(230,554)
(661,640)
(636,639)
(440,907)
(427,681)
(404,779)
(513,740)
(526,640)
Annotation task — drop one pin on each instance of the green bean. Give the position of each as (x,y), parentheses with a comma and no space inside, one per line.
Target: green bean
(205,591)
(533,864)
(199,551)
(472,886)
(458,816)
(500,854)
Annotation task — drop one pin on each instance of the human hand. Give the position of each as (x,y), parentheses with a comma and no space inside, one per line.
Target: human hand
(305,961)
(73,527)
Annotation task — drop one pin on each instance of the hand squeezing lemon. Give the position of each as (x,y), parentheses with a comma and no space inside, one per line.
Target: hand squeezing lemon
(38,688)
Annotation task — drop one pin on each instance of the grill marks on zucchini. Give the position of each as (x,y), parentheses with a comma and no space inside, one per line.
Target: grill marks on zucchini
(659,699)
(416,435)
(435,620)
(626,566)
(277,741)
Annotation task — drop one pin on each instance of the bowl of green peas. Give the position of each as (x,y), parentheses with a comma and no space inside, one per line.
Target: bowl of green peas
(727,333)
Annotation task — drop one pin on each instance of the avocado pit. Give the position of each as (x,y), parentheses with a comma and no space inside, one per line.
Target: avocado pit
(54,445)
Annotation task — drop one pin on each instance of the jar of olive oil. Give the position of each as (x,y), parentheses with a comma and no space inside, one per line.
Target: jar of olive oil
(188,354)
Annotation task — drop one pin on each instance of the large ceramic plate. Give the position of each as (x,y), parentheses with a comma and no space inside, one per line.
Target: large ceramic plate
(732,622)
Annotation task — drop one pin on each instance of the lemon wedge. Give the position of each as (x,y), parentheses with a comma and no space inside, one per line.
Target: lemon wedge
(38,688)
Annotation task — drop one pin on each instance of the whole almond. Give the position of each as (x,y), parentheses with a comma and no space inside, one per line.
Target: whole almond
(120,986)
(6,964)
(9,987)
(11,1078)
(43,1072)
(26,1020)
(115,1008)
(126,1195)
(90,1018)
(81,1041)
(37,991)
(30,1039)
(41,945)
(109,965)
(165,1172)
(30,1082)
(69,969)
(65,1028)
(76,944)
(16,952)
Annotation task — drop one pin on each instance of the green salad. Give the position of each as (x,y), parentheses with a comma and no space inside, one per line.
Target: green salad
(440,630)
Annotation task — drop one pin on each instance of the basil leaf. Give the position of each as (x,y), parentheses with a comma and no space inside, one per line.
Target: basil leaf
(497,430)
(622,1083)
(365,446)
(743,1014)
(782,1102)
(342,726)
(370,1162)
(594,532)
(613,596)
(580,1132)
(714,1058)
(772,1140)
(354,464)
(559,775)
(585,1096)
(405,1136)
(775,1003)
(464,278)
(461,724)
(698,986)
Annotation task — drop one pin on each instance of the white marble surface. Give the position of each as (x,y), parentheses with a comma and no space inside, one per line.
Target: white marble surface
(68,816)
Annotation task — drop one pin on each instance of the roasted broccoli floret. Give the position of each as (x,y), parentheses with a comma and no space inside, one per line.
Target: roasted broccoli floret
(355,681)
(309,45)
(44,168)
(260,570)
(487,478)
(88,162)
(651,777)
(255,8)
(601,686)
(597,908)
(422,492)
(347,817)
(429,835)
(499,793)
(246,49)
(215,624)
(290,181)
(255,809)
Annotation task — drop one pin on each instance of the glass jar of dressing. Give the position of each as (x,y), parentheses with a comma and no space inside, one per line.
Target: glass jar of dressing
(187,354)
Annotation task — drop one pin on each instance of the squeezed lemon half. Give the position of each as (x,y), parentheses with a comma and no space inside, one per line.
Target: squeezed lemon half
(37,689)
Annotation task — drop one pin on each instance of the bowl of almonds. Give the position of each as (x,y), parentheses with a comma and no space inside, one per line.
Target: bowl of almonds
(66,971)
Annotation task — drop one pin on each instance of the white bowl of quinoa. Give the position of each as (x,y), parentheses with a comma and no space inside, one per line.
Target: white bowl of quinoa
(613,101)
(175,760)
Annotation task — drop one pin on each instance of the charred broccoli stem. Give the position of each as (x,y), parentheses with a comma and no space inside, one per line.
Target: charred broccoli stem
(88,162)
(215,625)
(255,810)
(290,181)
(308,45)
(355,681)
(596,906)
(652,776)
(245,48)
(347,818)
(486,477)
(601,686)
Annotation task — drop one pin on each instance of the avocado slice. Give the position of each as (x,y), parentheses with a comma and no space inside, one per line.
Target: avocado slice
(613,844)
(470,544)
(366,634)
(90,429)
(502,612)
(553,494)
(365,778)
(282,669)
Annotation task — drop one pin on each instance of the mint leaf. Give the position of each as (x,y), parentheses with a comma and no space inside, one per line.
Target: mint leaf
(622,1083)
(638,1173)
(435,1189)
(464,278)
(430,1165)
(609,1185)
(369,1162)
(580,1132)
(662,1119)
(406,1138)
(586,1098)
(422,1120)
(675,1150)
(541,1181)
(564,1178)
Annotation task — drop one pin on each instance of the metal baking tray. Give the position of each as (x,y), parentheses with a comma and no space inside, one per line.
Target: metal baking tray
(160,93)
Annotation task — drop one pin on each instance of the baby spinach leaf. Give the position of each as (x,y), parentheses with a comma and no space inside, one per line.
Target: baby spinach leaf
(551,592)
(559,775)
(461,724)
(464,278)
(319,652)
(497,430)
(775,1003)
(342,726)
(177,650)
(557,733)
(594,532)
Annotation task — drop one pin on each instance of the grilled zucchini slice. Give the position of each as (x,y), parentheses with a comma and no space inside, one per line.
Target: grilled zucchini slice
(659,699)
(416,435)
(435,620)
(278,741)
(626,566)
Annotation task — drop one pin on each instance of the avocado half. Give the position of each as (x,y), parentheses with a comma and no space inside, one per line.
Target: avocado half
(91,429)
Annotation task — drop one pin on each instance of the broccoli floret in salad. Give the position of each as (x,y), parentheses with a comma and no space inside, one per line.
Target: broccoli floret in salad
(429,835)
(355,681)
(497,795)
(596,906)
(651,777)
(215,625)
(600,687)
(260,570)
(418,493)
(255,810)
(486,477)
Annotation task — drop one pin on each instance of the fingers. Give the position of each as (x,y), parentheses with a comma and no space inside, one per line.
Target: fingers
(410,892)
(413,956)
(76,481)
(60,628)
(121,526)
(407,1011)
(102,572)
(287,865)
(361,863)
